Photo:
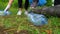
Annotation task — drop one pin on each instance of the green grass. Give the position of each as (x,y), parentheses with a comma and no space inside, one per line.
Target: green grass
(11,24)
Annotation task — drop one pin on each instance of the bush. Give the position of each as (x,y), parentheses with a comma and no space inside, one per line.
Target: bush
(49,3)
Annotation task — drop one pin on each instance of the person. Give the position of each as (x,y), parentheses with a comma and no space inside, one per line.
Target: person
(56,2)
(20,6)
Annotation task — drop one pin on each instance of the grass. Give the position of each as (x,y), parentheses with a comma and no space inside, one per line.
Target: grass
(13,23)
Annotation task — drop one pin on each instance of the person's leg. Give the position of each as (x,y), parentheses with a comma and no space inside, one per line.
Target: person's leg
(57,2)
(8,6)
(26,6)
(20,7)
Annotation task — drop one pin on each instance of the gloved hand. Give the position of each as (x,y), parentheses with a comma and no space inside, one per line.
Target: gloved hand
(33,5)
(6,9)
(6,12)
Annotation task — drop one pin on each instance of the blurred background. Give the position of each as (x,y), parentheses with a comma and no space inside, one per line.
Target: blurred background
(14,23)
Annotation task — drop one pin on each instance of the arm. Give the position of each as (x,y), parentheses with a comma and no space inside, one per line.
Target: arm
(8,6)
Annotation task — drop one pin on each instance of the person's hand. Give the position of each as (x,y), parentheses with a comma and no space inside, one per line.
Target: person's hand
(6,9)
(33,5)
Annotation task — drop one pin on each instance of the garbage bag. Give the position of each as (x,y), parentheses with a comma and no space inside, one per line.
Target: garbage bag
(37,19)
(2,13)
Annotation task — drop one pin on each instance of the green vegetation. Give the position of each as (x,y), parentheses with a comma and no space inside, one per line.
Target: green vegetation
(13,23)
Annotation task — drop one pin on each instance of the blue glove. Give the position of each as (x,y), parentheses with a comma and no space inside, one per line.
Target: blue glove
(42,2)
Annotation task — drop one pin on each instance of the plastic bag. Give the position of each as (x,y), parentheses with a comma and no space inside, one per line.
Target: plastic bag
(37,19)
(2,13)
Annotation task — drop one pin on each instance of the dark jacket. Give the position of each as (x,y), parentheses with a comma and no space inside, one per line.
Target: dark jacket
(56,2)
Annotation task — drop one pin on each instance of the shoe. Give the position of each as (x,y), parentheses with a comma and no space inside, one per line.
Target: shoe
(26,12)
(19,13)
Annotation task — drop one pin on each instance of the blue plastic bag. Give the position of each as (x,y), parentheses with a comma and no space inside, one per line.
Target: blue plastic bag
(37,19)
(40,3)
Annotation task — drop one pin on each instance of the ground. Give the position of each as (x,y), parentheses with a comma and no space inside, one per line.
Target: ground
(15,24)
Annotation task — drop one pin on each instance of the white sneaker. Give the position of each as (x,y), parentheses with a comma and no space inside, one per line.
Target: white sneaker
(26,12)
(19,13)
